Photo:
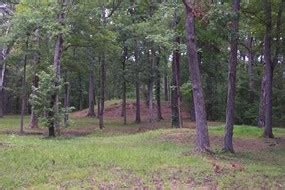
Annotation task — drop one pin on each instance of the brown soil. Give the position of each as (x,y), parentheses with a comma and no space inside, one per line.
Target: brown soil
(244,144)
(114,111)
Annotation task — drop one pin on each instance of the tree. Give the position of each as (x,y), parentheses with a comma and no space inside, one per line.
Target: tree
(175,91)
(6,11)
(202,136)
(268,70)
(58,50)
(91,90)
(230,113)
(23,94)
(42,101)
(158,88)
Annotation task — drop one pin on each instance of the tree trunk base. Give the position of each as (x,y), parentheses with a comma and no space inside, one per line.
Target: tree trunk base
(91,115)
(204,150)
(268,136)
(228,150)
(51,132)
(101,122)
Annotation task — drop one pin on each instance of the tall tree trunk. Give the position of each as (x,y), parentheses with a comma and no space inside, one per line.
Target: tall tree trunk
(3,54)
(202,139)
(91,94)
(99,91)
(176,98)
(138,102)
(137,86)
(192,109)
(66,100)
(50,114)
(35,83)
(136,54)
(278,32)
(230,113)
(157,88)
(1,102)
(150,103)
(102,93)
(166,94)
(250,65)
(151,58)
(57,64)
(2,77)
(34,119)
(263,107)
(80,97)
(175,91)
(23,94)
(124,86)
(58,50)
(261,115)
(268,70)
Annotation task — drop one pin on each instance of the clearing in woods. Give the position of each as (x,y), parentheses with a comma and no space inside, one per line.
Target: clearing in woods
(135,156)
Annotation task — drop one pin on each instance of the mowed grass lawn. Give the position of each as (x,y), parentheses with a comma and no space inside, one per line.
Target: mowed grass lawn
(155,159)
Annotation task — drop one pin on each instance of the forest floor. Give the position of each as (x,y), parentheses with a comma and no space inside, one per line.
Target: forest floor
(135,156)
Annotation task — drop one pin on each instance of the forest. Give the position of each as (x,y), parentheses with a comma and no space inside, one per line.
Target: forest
(142,94)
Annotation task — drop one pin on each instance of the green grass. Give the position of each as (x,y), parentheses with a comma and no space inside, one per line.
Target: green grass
(246,131)
(11,122)
(125,161)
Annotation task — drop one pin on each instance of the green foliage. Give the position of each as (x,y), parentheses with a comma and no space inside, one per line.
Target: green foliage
(43,96)
(140,27)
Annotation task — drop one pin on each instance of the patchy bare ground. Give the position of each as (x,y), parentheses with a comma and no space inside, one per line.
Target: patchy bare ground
(114,111)
(244,144)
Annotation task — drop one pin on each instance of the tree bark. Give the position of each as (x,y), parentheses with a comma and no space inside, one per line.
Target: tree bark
(91,94)
(80,97)
(124,86)
(2,77)
(175,91)
(138,102)
(57,64)
(1,102)
(34,119)
(263,105)
(157,89)
(58,50)
(261,116)
(99,90)
(137,86)
(150,103)
(192,109)
(268,70)
(202,136)
(102,93)
(23,95)
(151,58)
(66,100)
(279,25)
(250,55)
(230,112)
(35,83)
(3,55)
(166,95)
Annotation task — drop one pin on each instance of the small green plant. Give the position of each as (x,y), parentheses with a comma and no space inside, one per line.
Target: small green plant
(43,99)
